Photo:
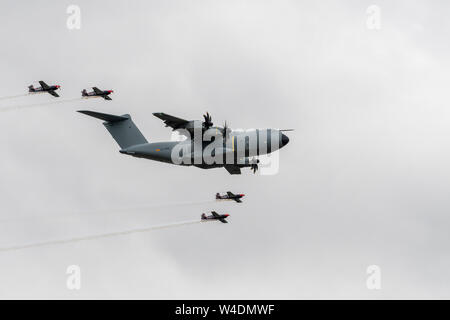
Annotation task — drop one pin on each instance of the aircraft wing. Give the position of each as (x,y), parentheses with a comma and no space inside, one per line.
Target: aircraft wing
(233,169)
(171,121)
(107,98)
(53,93)
(215,214)
(230,194)
(97,90)
(237,200)
(223,220)
(43,85)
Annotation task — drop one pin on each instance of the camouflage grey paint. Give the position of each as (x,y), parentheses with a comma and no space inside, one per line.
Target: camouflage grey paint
(236,152)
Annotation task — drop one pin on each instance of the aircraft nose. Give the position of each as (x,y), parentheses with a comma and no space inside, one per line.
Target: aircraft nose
(284,139)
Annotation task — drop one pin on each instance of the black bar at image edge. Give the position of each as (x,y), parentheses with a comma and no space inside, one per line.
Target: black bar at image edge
(226,309)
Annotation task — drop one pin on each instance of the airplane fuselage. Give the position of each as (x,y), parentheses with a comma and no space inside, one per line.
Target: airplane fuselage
(239,148)
(97,95)
(227,197)
(40,89)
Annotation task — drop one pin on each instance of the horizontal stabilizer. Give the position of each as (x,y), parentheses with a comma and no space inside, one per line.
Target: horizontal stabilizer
(103,116)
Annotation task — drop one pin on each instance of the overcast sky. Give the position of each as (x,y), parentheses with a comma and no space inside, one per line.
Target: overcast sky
(364,180)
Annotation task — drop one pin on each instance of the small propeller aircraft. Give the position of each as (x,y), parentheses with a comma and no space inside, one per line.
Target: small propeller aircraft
(230,196)
(215,216)
(44,88)
(97,93)
(215,147)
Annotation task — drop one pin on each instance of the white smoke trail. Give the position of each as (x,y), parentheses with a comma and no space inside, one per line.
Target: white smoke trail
(154,206)
(15,96)
(4,109)
(100,236)
(96,213)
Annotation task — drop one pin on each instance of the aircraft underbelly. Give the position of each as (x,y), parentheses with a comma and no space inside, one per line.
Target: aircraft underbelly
(153,151)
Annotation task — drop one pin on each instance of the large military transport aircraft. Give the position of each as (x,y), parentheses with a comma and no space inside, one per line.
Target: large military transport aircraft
(205,146)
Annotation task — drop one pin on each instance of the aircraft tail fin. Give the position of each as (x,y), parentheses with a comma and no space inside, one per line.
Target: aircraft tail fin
(84,93)
(121,128)
(217,195)
(31,88)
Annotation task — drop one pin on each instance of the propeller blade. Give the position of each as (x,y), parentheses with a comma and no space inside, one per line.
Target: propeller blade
(255,166)
(208,120)
(225,132)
